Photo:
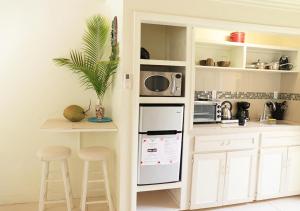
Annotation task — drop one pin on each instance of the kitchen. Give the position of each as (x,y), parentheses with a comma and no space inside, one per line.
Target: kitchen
(240,138)
(204,105)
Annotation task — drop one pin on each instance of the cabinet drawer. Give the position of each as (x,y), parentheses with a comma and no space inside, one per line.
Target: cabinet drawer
(226,142)
(279,139)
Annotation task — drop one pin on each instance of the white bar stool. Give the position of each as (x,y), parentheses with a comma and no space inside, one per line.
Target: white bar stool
(60,154)
(101,154)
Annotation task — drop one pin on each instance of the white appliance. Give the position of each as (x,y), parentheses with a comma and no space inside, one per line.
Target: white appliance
(160,143)
(160,83)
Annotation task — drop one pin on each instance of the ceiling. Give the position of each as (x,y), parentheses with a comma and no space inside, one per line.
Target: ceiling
(290,5)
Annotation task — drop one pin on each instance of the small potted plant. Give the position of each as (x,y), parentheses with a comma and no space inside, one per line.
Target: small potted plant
(95,72)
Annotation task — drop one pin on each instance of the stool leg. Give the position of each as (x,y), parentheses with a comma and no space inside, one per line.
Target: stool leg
(69,184)
(43,191)
(106,183)
(66,184)
(84,185)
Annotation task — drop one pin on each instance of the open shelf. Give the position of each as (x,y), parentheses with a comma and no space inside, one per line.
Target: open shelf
(166,186)
(221,43)
(270,54)
(249,45)
(164,42)
(270,47)
(243,54)
(237,69)
(226,51)
(162,62)
(156,201)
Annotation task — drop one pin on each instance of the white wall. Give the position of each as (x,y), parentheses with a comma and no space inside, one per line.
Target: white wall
(33,89)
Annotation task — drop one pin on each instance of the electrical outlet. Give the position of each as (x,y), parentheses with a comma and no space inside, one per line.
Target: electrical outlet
(214,94)
(275,95)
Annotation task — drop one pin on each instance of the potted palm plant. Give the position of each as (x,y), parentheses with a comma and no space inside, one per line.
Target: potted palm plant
(94,71)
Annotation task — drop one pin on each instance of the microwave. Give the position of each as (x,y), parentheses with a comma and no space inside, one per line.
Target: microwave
(160,83)
(207,112)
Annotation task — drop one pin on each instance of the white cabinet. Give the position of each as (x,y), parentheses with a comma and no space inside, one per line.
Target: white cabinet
(272,170)
(224,170)
(208,180)
(279,165)
(240,177)
(293,171)
(223,178)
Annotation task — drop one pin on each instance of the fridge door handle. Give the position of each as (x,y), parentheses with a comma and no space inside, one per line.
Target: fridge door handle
(165,132)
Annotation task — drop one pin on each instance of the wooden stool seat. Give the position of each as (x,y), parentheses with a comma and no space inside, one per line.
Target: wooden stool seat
(102,155)
(52,153)
(61,155)
(94,153)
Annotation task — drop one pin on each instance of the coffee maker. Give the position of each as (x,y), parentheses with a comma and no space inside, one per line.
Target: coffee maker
(242,109)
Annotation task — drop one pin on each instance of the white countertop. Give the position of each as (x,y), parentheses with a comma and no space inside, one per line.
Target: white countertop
(252,126)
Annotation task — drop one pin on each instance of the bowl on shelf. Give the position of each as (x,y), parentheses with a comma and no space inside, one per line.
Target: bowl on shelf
(207,62)
(237,37)
(202,62)
(223,63)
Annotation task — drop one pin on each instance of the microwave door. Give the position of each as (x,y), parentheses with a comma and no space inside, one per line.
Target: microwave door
(205,113)
(160,83)
(155,83)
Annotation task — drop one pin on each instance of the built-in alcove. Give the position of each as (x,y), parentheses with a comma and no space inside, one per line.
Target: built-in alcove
(158,200)
(164,42)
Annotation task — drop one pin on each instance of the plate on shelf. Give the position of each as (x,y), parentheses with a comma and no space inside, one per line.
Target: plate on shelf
(96,120)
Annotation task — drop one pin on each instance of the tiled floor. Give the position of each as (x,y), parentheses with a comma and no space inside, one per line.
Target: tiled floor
(284,204)
(52,207)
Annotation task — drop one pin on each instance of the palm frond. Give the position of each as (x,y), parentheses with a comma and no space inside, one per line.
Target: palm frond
(95,38)
(93,72)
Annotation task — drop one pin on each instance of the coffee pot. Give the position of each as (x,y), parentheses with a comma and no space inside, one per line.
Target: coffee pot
(284,63)
(226,110)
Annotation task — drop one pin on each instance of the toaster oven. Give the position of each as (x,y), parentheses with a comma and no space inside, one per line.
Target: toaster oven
(207,112)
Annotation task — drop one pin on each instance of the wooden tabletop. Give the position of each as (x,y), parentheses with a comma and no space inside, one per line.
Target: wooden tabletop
(63,125)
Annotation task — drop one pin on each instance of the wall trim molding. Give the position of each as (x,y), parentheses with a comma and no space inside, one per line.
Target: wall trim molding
(284,5)
(174,20)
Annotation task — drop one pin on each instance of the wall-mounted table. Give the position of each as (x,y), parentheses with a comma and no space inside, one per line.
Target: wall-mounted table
(65,126)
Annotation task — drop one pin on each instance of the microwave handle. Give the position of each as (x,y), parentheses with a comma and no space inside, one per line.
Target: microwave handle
(173,89)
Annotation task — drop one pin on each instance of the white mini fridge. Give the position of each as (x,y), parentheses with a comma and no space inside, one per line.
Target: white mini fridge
(160,143)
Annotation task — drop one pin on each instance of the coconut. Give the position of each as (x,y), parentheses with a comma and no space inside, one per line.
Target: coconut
(74,113)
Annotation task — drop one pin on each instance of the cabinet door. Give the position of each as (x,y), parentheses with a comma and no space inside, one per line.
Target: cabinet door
(240,178)
(272,173)
(207,180)
(293,171)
